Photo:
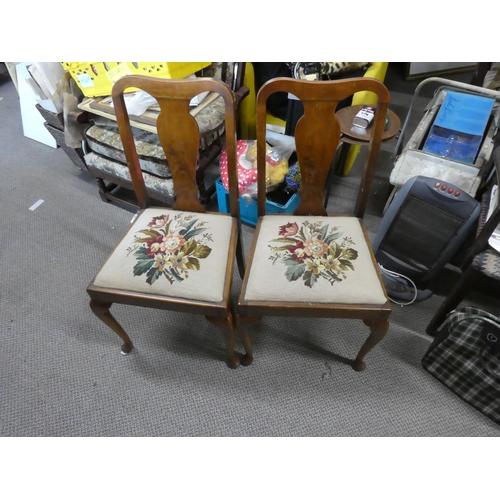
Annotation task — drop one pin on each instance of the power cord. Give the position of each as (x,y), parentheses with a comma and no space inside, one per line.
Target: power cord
(396,275)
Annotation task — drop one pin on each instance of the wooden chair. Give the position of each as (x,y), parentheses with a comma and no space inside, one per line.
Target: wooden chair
(311,264)
(178,258)
(481,269)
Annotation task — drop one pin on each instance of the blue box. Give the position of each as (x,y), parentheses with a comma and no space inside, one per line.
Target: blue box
(248,209)
(458,130)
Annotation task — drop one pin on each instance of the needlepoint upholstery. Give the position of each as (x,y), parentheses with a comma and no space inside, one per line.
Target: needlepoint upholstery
(173,254)
(313,259)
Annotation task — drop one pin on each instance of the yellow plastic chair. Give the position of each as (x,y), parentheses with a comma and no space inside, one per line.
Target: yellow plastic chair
(248,108)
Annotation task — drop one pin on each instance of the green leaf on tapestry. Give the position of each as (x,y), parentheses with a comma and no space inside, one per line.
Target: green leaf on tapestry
(153,275)
(292,241)
(193,263)
(323,232)
(288,260)
(165,228)
(173,273)
(309,278)
(301,234)
(293,273)
(345,265)
(165,273)
(188,226)
(332,237)
(335,250)
(280,249)
(201,251)
(189,246)
(142,266)
(330,275)
(349,253)
(150,232)
(141,254)
(193,232)
(142,240)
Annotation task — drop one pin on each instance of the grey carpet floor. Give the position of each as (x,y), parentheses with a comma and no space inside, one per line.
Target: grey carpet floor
(61,372)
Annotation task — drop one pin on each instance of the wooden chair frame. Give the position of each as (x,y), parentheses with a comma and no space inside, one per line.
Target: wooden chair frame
(317,137)
(180,139)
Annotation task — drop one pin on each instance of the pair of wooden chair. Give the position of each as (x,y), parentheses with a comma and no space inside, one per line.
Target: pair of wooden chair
(301,264)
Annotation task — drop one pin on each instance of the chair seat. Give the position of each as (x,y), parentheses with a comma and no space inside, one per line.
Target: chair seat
(172,254)
(313,259)
(488,263)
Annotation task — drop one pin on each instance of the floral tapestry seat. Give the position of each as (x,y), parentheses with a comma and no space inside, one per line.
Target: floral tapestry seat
(173,254)
(315,260)
(106,159)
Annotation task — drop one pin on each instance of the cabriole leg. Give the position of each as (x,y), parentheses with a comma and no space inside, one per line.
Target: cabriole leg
(227,325)
(378,329)
(242,325)
(101,310)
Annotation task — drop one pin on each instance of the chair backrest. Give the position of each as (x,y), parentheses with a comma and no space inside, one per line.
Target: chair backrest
(178,133)
(317,136)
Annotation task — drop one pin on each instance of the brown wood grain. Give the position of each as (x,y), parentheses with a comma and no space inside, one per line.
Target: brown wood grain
(179,136)
(317,135)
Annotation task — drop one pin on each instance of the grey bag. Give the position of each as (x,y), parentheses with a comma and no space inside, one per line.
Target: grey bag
(465,357)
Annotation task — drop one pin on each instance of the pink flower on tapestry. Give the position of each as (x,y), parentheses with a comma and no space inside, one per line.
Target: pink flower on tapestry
(172,242)
(170,246)
(158,222)
(314,251)
(315,247)
(290,229)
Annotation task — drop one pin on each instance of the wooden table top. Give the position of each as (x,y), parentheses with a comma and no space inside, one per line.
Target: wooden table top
(359,135)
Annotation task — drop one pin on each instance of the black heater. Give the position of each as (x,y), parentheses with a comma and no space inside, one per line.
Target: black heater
(423,228)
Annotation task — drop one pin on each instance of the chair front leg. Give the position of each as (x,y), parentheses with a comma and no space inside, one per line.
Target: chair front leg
(101,310)
(378,329)
(242,325)
(227,325)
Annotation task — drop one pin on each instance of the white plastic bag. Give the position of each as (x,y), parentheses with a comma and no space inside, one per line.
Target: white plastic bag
(138,102)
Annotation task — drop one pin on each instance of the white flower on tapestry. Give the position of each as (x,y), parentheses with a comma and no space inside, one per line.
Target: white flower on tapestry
(313,251)
(170,247)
